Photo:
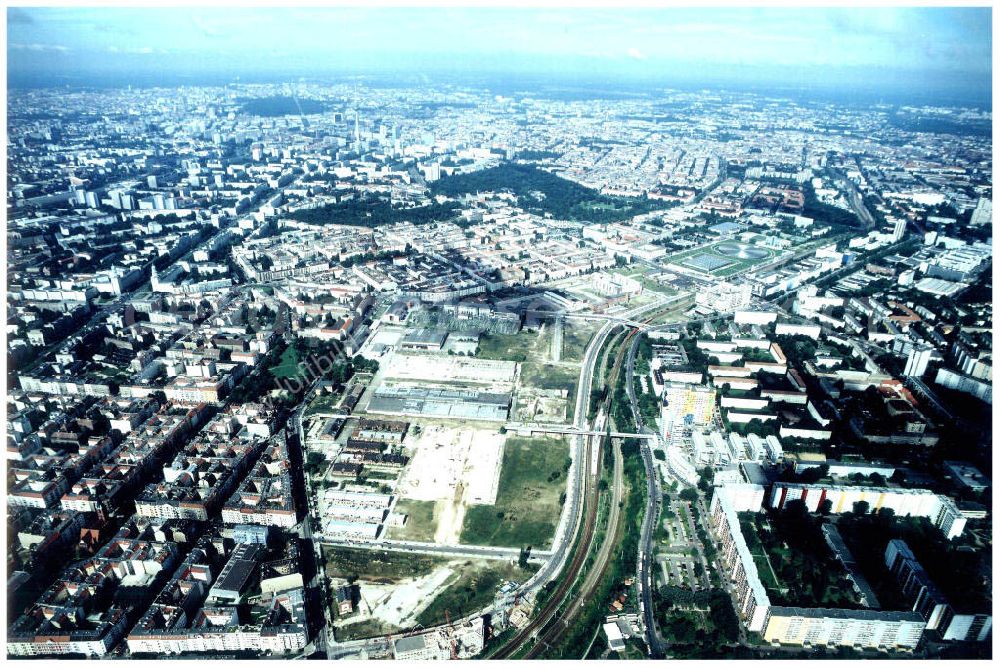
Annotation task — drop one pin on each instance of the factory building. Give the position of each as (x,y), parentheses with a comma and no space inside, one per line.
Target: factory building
(408,400)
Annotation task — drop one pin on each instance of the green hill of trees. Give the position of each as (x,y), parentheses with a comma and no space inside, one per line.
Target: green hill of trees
(372,212)
(541,192)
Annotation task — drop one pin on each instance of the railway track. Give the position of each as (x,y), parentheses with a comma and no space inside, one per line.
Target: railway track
(591,493)
(559,597)
(552,635)
(556,600)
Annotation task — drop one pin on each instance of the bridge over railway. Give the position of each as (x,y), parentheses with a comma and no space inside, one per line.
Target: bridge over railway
(541,428)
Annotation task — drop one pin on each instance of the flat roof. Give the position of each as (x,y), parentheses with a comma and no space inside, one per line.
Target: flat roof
(237,575)
(613,632)
(425,336)
(410,643)
(847,614)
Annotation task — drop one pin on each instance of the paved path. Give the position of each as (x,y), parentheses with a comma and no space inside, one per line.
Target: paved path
(557,339)
(428,548)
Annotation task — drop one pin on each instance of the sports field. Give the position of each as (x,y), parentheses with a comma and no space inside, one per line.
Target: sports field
(722,259)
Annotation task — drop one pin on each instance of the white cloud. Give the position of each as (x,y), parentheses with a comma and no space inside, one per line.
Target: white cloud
(206,28)
(141,50)
(57,48)
(636,54)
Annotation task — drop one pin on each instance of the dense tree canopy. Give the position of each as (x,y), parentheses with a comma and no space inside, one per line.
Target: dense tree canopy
(373,212)
(544,193)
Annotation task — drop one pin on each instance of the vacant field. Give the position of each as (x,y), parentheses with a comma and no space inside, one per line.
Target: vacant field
(421,521)
(576,336)
(552,377)
(453,467)
(288,365)
(532,480)
(376,565)
(322,404)
(473,586)
(523,346)
(365,629)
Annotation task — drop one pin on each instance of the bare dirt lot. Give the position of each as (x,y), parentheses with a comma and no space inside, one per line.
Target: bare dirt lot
(452,467)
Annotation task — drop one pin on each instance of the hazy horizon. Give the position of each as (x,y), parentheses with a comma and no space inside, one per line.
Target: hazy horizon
(923,54)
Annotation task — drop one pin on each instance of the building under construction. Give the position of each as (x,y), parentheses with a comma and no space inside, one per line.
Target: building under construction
(456,642)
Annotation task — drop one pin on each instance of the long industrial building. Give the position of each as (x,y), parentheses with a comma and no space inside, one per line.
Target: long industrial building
(405,400)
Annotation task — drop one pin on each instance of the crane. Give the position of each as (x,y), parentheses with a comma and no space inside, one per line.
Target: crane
(451,636)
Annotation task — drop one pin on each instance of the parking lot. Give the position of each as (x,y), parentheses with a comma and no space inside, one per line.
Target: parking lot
(680,562)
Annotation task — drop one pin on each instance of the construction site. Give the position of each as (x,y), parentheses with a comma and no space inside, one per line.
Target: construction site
(453,468)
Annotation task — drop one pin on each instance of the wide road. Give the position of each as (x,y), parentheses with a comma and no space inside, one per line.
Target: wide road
(654,500)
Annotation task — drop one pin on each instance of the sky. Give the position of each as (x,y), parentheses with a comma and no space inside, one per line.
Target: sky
(947,49)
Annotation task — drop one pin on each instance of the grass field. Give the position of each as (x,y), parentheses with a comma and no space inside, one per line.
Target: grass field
(523,346)
(421,521)
(365,629)
(376,565)
(576,336)
(321,404)
(472,587)
(552,377)
(287,367)
(528,499)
